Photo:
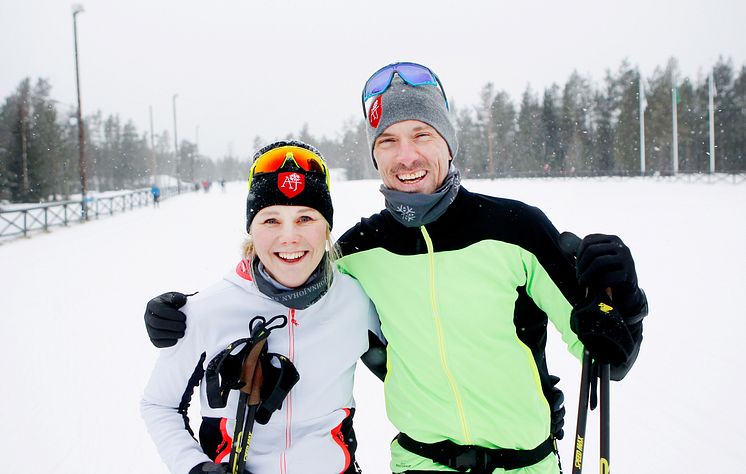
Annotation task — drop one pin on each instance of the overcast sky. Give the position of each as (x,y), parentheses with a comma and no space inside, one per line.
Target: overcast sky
(265,67)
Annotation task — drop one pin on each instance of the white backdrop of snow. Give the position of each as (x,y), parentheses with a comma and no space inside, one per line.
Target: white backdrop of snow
(77,356)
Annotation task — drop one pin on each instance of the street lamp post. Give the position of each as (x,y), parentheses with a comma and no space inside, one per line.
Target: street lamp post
(196,151)
(81,129)
(176,148)
(153,164)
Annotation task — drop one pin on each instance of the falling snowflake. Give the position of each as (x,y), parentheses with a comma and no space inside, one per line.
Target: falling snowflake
(407,213)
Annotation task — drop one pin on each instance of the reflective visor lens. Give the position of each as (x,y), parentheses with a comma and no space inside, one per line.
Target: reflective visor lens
(411,73)
(378,82)
(275,158)
(415,74)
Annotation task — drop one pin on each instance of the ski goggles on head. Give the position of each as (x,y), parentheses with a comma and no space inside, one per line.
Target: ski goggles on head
(276,158)
(412,73)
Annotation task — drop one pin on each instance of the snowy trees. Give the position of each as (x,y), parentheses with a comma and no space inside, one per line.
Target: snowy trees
(579,127)
(587,129)
(39,151)
(34,158)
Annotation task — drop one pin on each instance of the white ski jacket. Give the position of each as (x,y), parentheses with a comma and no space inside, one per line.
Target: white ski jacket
(323,341)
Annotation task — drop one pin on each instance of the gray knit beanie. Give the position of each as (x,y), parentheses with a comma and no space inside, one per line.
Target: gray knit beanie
(402,102)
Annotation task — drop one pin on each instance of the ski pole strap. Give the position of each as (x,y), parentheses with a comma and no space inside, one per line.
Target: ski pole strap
(476,459)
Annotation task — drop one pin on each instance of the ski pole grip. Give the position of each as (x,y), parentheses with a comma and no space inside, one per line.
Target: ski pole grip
(256,386)
(250,366)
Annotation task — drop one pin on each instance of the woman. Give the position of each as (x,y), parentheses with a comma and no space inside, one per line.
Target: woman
(316,318)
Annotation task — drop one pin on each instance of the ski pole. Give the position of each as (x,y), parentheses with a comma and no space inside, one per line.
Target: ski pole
(570,243)
(585,385)
(605,418)
(604,412)
(244,439)
(238,433)
(248,402)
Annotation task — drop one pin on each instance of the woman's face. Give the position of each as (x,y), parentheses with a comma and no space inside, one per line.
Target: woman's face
(290,241)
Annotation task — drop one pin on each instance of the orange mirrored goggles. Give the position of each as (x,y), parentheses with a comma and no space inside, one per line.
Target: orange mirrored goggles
(276,158)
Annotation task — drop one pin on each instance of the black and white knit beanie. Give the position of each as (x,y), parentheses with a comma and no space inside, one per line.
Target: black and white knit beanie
(289,186)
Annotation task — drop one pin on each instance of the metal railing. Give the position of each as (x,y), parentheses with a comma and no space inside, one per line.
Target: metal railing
(20,222)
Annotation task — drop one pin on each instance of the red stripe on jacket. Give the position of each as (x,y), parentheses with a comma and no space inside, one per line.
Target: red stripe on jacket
(339,438)
(226,444)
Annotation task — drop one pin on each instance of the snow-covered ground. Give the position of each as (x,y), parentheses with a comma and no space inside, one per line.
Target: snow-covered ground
(77,357)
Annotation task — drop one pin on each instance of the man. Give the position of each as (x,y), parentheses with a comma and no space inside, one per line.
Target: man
(465,285)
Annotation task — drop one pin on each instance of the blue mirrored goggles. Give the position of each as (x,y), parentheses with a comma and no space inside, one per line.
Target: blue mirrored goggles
(412,73)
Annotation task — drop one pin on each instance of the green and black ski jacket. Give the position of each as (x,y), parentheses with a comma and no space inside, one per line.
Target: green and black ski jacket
(464,304)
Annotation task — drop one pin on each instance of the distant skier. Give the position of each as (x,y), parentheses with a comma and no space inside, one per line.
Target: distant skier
(156,192)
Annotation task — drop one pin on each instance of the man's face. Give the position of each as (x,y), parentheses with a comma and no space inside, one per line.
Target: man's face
(412,157)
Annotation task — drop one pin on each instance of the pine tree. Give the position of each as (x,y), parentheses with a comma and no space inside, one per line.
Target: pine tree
(164,162)
(355,152)
(529,140)
(738,124)
(471,145)
(189,158)
(134,155)
(9,149)
(5,178)
(550,126)
(485,165)
(575,129)
(15,120)
(728,115)
(99,175)
(658,133)
(504,122)
(112,169)
(626,120)
(46,151)
(602,157)
(692,125)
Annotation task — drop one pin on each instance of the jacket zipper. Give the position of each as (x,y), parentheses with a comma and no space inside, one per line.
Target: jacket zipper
(289,399)
(441,338)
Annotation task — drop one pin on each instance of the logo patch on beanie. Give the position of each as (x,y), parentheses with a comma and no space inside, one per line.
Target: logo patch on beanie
(291,184)
(374,113)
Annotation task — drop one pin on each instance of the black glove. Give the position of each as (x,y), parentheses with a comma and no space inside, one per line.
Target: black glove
(602,330)
(557,404)
(603,261)
(163,320)
(210,467)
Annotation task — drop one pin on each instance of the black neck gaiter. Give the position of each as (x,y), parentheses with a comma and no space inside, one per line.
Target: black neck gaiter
(416,209)
(297,298)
